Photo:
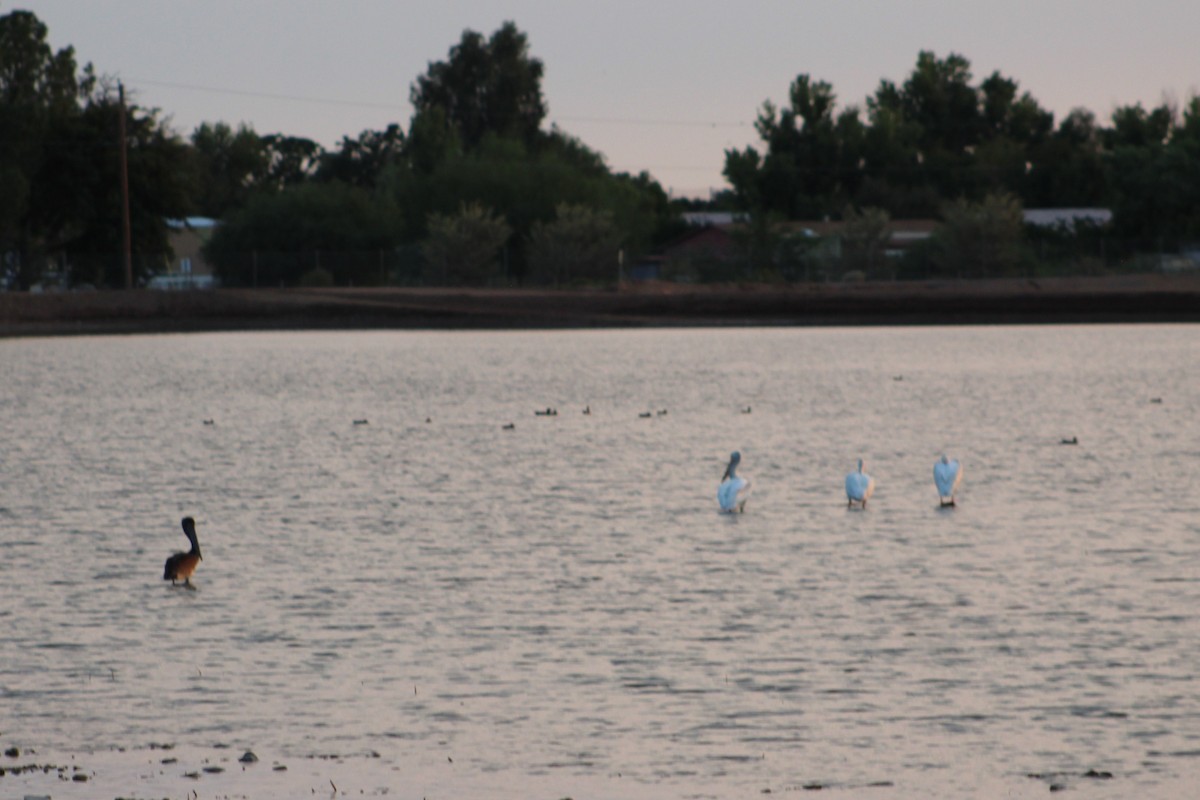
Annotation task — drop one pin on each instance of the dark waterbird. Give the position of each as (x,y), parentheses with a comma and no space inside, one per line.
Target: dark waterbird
(180,566)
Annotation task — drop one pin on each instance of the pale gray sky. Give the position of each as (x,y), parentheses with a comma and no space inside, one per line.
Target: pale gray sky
(659,85)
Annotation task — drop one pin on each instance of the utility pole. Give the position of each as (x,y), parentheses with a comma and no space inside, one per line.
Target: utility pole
(126,233)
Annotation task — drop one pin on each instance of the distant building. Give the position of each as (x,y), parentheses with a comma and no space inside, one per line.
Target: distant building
(188,268)
(1067,218)
(701,219)
(714,238)
(708,242)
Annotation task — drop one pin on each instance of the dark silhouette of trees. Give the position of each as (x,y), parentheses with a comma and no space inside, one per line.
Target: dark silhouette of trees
(59,166)
(39,93)
(489,86)
(228,165)
(278,239)
(361,161)
(935,144)
(465,247)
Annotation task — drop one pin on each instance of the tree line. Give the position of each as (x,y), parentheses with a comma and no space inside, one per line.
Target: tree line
(476,190)
(939,145)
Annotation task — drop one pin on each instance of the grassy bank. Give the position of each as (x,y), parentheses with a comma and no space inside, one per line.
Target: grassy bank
(1136,298)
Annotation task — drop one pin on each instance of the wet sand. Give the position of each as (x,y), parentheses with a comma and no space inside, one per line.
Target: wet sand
(1129,298)
(167,771)
(186,772)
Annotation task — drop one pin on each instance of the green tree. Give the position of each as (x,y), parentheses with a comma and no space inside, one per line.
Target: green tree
(463,248)
(1185,176)
(811,154)
(276,239)
(865,234)
(39,91)
(1133,126)
(363,161)
(86,167)
(60,165)
(980,239)
(1155,166)
(431,141)
(939,98)
(227,166)
(1067,169)
(893,174)
(1007,115)
(291,160)
(486,87)
(525,185)
(475,138)
(579,244)
(1013,128)
(741,171)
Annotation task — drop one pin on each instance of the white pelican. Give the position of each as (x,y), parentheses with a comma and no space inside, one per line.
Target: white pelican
(733,491)
(947,475)
(859,487)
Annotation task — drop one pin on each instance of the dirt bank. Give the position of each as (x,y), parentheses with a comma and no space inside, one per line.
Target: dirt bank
(1134,298)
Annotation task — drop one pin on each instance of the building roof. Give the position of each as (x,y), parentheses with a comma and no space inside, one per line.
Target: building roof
(1068,217)
(194,223)
(702,218)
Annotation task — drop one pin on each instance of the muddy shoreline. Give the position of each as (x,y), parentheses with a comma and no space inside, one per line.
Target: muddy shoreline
(1132,298)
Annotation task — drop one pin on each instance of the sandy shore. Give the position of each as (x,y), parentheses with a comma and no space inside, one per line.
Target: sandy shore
(221,771)
(170,771)
(1131,298)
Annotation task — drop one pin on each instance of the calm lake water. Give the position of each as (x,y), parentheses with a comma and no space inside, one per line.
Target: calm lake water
(558,609)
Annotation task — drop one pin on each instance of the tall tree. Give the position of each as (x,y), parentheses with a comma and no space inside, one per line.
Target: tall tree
(363,161)
(525,185)
(938,97)
(228,165)
(1155,165)
(39,90)
(90,171)
(1068,167)
(291,160)
(892,172)
(486,86)
(277,238)
(811,153)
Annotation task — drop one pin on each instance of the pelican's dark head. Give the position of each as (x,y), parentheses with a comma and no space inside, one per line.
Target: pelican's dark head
(735,458)
(189,530)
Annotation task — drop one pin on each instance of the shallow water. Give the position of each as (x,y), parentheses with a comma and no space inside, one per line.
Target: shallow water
(560,606)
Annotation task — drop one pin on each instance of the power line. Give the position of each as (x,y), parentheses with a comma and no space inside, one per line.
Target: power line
(192,87)
(266,95)
(685,123)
